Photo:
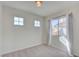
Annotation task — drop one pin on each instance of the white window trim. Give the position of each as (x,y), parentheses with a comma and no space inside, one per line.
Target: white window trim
(36,23)
(19,21)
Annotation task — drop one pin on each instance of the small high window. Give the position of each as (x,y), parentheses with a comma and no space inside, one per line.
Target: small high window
(36,23)
(18,21)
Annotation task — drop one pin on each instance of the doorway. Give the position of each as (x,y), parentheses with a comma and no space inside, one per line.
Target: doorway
(59,34)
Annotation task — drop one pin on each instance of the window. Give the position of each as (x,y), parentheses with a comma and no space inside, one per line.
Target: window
(59,26)
(37,23)
(18,21)
(62,27)
(54,27)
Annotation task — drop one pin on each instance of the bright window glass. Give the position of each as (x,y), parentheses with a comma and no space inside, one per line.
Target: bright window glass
(54,27)
(18,21)
(36,23)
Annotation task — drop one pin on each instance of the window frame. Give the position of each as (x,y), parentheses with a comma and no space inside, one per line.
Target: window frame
(37,23)
(18,22)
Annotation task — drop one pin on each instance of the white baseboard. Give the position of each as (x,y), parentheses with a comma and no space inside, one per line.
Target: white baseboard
(21,48)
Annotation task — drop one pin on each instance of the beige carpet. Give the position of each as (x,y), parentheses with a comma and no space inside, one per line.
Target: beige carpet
(38,51)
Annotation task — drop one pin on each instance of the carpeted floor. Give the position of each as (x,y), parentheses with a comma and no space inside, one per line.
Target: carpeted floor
(38,51)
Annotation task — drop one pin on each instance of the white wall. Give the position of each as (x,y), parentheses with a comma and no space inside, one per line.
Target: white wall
(75,14)
(15,38)
(0,29)
(76,31)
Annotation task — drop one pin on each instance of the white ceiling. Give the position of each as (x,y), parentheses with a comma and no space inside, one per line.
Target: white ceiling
(47,8)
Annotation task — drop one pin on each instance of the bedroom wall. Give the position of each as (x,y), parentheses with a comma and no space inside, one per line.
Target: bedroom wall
(0,29)
(76,30)
(16,37)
